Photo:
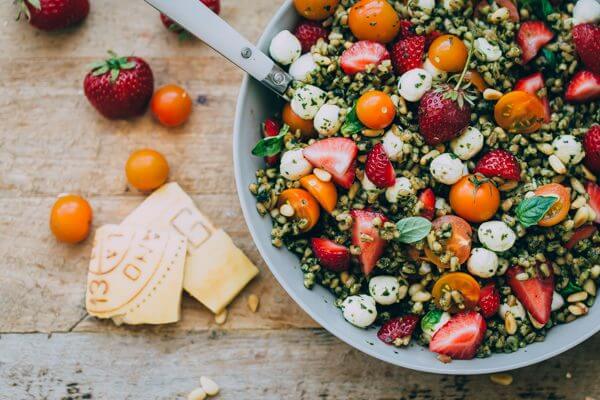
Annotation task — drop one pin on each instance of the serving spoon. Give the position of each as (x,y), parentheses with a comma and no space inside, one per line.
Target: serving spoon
(203,23)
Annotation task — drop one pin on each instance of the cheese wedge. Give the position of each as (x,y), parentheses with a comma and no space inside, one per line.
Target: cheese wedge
(135,275)
(215,269)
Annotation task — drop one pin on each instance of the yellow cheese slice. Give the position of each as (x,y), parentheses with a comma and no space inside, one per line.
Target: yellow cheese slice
(135,275)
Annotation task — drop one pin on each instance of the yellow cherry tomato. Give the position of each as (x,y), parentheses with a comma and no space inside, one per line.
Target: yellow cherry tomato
(304,204)
(461,282)
(374,20)
(475,198)
(146,169)
(519,112)
(305,126)
(71,218)
(559,211)
(375,109)
(448,53)
(171,105)
(324,192)
(316,10)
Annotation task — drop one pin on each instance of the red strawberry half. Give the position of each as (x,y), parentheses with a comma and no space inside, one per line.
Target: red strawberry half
(331,255)
(427,198)
(591,144)
(460,337)
(593,191)
(408,53)
(361,54)
(398,328)
(309,32)
(499,163)
(582,233)
(366,236)
(584,86)
(533,84)
(379,168)
(50,15)
(271,127)
(535,293)
(441,118)
(336,156)
(586,38)
(532,36)
(489,300)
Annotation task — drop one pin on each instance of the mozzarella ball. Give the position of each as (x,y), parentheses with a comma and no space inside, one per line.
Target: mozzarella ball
(496,236)
(359,310)
(487,51)
(436,73)
(557,301)
(285,48)
(327,120)
(384,289)
(586,11)
(517,310)
(413,84)
(568,149)
(482,263)
(302,67)
(294,166)
(447,169)
(425,5)
(367,184)
(431,329)
(401,187)
(468,143)
(392,145)
(307,100)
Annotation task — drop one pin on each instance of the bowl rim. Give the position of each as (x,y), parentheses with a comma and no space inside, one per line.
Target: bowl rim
(264,248)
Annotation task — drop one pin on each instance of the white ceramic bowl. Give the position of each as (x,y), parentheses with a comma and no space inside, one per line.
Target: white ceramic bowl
(255,103)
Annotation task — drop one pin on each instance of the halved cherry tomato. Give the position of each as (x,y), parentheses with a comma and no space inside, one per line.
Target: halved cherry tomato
(459,281)
(324,192)
(146,169)
(305,126)
(374,20)
(375,109)
(459,242)
(475,198)
(476,79)
(519,112)
(448,53)
(70,218)
(171,105)
(558,212)
(316,10)
(304,204)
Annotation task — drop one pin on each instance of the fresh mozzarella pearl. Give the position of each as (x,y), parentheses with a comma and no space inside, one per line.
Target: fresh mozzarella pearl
(302,67)
(285,48)
(327,120)
(557,301)
(384,289)
(429,331)
(482,263)
(518,311)
(496,236)
(435,72)
(468,144)
(359,310)
(307,100)
(568,149)
(414,83)
(401,187)
(586,11)
(367,184)
(486,50)
(447,168)
(392,145)
(426,5)
(294,166)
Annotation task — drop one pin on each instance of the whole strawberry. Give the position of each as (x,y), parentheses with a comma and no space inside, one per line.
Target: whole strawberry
(50,15)
(591,145)
(309,32)
(214,5)
(586,38)
(443,113)
(119,87)
(499,163)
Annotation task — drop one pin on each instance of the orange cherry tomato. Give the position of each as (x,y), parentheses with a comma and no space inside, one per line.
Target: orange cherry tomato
(305,126)
(476,79)
(316,10)
(519,112)
(324,192)
(146,169)
(304,204)
(459,243)
(374,20)
(171,105)
(475,198)
(448,53)
(71,218)
(462,282)
(375,109)
(558,212)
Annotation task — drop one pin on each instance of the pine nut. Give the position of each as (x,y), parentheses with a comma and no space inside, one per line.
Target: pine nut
(344,276)
(197,394)
(546,148)
(557,165)
(209,386)
(581,217)
(499,15)
(535,323)
(590,287)
(577,297)
(414,288)
(588,174)
(221,317)
(421,297)
(578,203)
(253,301)
(510,323)
(492,94)
(502,379)
(577,185)
(322,175)
(444,358)
(578,309)
(522,276)
(287,210)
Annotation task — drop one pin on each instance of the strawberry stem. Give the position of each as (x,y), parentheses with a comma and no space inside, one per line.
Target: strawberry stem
(114,65)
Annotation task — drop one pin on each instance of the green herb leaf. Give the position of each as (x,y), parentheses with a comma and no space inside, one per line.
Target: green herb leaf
(570,289)
(531,210)
(541,8)
(352,124)
(35,3)
(271,145)
(550,57)
(429,321)
(413,229)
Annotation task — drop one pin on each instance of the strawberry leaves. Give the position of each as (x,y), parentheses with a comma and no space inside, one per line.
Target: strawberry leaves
(114,65)
(531,210)
(269,146)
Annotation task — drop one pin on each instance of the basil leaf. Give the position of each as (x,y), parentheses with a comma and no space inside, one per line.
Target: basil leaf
(269,146)
(430,320)
(541,8)
(550,57)
(413,229)
(570,289)
(352,123)
(546,7)
(531,210)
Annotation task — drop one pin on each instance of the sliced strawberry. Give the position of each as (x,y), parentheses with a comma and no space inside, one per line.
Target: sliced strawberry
(532,36)
(398,328)
(366,237)
(593,191)
(586,38)
(427,198)
(408,53)
(535,293)
(379,168)
(584,86)
(460,337)
(582,233)
(499,163)
(336,156)
(309,32)
(533,84)
(489,300)
(361,54)
(271,127)
(591,145)
(331,255)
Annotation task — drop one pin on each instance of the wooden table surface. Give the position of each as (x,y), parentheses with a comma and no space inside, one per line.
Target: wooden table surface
(52,142)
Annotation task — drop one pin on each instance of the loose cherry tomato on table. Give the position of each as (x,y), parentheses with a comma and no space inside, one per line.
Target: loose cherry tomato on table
(374,20)
(171,105)
(459,243)
(475,198)
(461,282)
(71,218)
(290,118)
(316,10)
(476,79)
(519,112)
(146,169)
(448,53)
(324,192)
(559,211)
(304,204)
(375,109)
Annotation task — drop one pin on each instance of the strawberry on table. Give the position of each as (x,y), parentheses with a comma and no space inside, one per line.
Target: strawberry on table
(271,127)
(427,199)
(535,292)
(499,163)
(309,32)
(460,337)
(379,168)
(365,235)
(443,113)
(408,53)
(586,38)
(361,54)
(591,145)
(50,15)
(335,155)
(533,84)
(489,300)
(531,37)
(584,86)
(593,191)
(331,255)
(398,329)
(214,5)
